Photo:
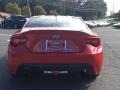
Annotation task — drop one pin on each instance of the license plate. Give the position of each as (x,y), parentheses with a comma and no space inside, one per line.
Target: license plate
(55,45)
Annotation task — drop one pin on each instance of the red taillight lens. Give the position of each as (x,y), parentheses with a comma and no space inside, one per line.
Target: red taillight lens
(15,41)
(93,41)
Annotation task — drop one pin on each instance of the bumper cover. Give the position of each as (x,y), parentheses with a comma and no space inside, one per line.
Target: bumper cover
(56,68)
(68,61)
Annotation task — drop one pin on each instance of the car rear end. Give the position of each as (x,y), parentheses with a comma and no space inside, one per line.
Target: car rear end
(55,51)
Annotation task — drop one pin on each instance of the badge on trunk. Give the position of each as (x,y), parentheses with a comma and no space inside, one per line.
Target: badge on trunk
(56,36)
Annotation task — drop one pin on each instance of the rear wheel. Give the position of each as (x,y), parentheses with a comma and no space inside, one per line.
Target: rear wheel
(92,76)
(18,74)
(15,26)
(6,26)
(3,26)
(13,75)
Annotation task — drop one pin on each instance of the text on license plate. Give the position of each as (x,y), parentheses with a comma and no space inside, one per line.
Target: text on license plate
(55,45)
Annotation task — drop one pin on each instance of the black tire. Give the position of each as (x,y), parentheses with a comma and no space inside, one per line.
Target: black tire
(17,75)
(16,26)
(92,76)
(13,75)
(5,26)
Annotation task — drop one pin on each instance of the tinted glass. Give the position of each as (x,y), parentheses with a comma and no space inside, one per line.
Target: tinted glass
(16,17)
(56,21)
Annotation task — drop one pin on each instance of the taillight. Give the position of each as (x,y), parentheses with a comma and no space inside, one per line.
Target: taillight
(15,41)
(93,41)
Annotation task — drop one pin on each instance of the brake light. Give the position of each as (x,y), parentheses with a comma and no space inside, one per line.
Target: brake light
(15,41)
(93,41)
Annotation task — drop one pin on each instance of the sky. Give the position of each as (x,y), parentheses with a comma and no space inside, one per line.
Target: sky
(113,5)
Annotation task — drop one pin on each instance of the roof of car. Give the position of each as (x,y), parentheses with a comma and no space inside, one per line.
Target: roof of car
(17,16)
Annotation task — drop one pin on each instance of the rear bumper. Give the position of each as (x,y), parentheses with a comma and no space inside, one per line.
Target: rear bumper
(56,68)
(72,61)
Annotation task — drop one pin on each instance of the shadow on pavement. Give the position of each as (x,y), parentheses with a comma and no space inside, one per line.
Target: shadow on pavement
(40,82)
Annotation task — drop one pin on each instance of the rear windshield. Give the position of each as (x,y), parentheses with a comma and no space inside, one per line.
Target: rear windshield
(56,21)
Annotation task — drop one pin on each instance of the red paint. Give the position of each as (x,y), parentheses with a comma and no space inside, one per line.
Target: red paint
(31,51)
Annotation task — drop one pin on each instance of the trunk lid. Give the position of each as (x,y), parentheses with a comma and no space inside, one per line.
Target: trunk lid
(59,41)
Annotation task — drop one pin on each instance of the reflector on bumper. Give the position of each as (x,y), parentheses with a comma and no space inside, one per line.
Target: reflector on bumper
(55,72)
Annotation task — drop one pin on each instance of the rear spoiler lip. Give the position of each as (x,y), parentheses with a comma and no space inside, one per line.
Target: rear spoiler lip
(54,28)
(24,30)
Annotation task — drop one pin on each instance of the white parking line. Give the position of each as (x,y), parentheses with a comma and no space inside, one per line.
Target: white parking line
(5,35)
(5,41)
(2,42)
(8,40)
(113,42)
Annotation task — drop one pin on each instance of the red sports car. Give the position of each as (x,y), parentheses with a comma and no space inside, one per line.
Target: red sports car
(55,45)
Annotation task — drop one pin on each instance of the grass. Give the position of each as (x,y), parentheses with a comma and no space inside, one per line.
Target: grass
(113,21)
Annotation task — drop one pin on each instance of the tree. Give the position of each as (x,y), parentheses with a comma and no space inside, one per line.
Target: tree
(13,8)
(96,8)
(39,10)
(24,11)
(53,12)
(116,15)
(88,9)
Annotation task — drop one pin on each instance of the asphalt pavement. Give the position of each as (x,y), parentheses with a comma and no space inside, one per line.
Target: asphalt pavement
(109,78)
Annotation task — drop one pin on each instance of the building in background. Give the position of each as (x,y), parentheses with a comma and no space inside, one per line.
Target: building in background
(4,15)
